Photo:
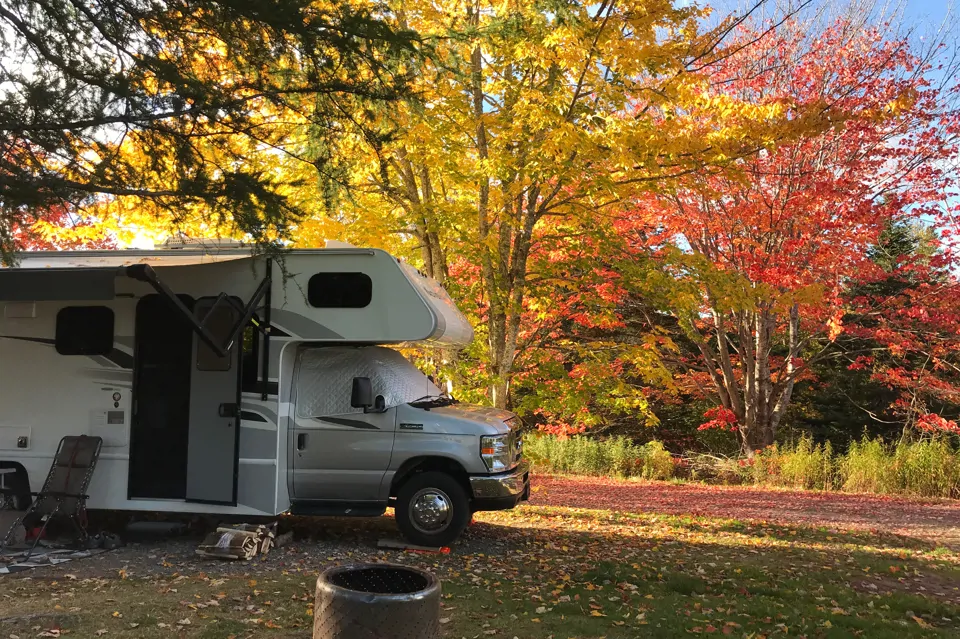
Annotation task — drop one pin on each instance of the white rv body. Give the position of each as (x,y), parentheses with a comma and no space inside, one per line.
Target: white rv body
(46,395)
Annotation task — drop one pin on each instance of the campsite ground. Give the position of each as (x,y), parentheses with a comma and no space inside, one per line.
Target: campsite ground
(587,558)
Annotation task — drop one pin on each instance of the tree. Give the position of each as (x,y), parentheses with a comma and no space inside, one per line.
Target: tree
(901,326)
(59,228)
(536,118)
(179,106)
(755,261)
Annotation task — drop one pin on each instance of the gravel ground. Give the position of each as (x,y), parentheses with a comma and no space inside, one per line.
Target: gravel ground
(317,543)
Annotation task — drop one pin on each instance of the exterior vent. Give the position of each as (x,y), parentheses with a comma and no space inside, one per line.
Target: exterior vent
(181,241)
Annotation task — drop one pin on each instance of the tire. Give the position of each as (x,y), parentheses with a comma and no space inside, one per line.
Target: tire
(446,506)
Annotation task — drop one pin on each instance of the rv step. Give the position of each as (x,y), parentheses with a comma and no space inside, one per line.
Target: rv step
(328,509)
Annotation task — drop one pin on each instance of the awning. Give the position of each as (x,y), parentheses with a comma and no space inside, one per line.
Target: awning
(97,284)
(57,284)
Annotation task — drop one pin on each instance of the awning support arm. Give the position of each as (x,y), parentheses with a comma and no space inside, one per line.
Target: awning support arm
(265,356)
(145,273)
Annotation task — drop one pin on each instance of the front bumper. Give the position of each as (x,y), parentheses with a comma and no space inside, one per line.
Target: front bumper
(502,491)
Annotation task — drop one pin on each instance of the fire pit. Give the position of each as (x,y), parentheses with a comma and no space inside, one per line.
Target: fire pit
(377,601)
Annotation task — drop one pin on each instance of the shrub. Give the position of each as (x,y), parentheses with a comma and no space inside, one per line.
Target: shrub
(657,461)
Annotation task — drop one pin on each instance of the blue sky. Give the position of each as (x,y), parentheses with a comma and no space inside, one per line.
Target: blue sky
(920,13)
(930,11)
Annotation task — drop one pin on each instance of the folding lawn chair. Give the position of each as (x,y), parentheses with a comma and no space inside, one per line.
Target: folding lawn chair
(64,493)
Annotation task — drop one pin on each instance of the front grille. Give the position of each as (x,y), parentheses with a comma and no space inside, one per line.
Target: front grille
(515,441)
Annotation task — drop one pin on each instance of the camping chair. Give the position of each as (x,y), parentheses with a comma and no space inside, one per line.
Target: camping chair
(64,493)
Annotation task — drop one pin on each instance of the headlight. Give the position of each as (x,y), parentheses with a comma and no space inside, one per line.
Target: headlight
(497,451)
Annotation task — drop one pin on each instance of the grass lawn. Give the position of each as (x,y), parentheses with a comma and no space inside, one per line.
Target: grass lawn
(536,572)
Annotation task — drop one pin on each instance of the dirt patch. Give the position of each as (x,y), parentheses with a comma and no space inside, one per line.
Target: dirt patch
(934,521)
(319,541)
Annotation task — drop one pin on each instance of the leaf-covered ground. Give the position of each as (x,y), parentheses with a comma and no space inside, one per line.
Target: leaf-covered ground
(543,570)
(936,520)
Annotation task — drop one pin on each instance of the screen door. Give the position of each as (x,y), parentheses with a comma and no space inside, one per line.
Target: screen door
(212,450)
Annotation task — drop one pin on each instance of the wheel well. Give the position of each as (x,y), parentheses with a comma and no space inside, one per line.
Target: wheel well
(418,465)
(18,483)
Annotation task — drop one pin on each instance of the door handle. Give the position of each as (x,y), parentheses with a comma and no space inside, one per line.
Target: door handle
(228,410)
(301,441)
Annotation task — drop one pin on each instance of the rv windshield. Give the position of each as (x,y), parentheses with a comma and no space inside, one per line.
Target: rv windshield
(326,379)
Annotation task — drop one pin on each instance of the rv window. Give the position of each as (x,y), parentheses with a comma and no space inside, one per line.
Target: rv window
(219,320)
(340,290)
(84,330)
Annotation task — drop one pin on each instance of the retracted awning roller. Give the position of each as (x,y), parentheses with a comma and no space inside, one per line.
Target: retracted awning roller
(99,284)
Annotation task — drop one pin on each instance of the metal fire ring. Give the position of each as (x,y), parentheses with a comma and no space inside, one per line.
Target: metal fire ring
(377,601)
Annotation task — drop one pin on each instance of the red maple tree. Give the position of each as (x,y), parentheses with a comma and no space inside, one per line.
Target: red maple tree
(57,228)
(757,262)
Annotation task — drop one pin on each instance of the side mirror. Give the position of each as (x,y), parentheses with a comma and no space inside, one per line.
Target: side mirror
(362,395)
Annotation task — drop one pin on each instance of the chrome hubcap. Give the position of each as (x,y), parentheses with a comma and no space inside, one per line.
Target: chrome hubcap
(430,510)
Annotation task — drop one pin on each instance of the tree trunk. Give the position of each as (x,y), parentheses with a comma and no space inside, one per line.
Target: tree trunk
(496,320)
(764,401)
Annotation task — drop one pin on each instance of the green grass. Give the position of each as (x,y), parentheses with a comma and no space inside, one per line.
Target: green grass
(540,572)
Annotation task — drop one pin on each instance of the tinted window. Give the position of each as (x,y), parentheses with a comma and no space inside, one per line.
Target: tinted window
(340,290)
(219,321)
(250,363)
(84,330)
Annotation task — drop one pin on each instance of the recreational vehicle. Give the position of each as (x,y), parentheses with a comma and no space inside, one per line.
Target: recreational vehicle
(229,383)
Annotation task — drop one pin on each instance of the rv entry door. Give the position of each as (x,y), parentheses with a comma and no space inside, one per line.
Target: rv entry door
(212,449)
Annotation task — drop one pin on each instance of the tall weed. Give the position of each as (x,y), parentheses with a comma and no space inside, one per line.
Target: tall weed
(805,465)
(927,468)
(867,468)
(616,456)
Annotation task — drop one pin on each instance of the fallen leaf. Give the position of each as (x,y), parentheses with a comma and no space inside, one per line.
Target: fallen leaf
(921,622)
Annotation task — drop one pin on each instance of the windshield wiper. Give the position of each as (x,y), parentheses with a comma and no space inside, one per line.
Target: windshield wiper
(433,400)
(420,399)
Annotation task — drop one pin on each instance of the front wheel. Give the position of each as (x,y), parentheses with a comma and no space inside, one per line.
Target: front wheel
(432,509)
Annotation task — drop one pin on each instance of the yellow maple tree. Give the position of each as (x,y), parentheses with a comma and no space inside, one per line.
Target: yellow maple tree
(533,121)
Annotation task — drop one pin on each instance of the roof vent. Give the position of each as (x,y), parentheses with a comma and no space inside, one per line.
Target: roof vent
(182,241)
